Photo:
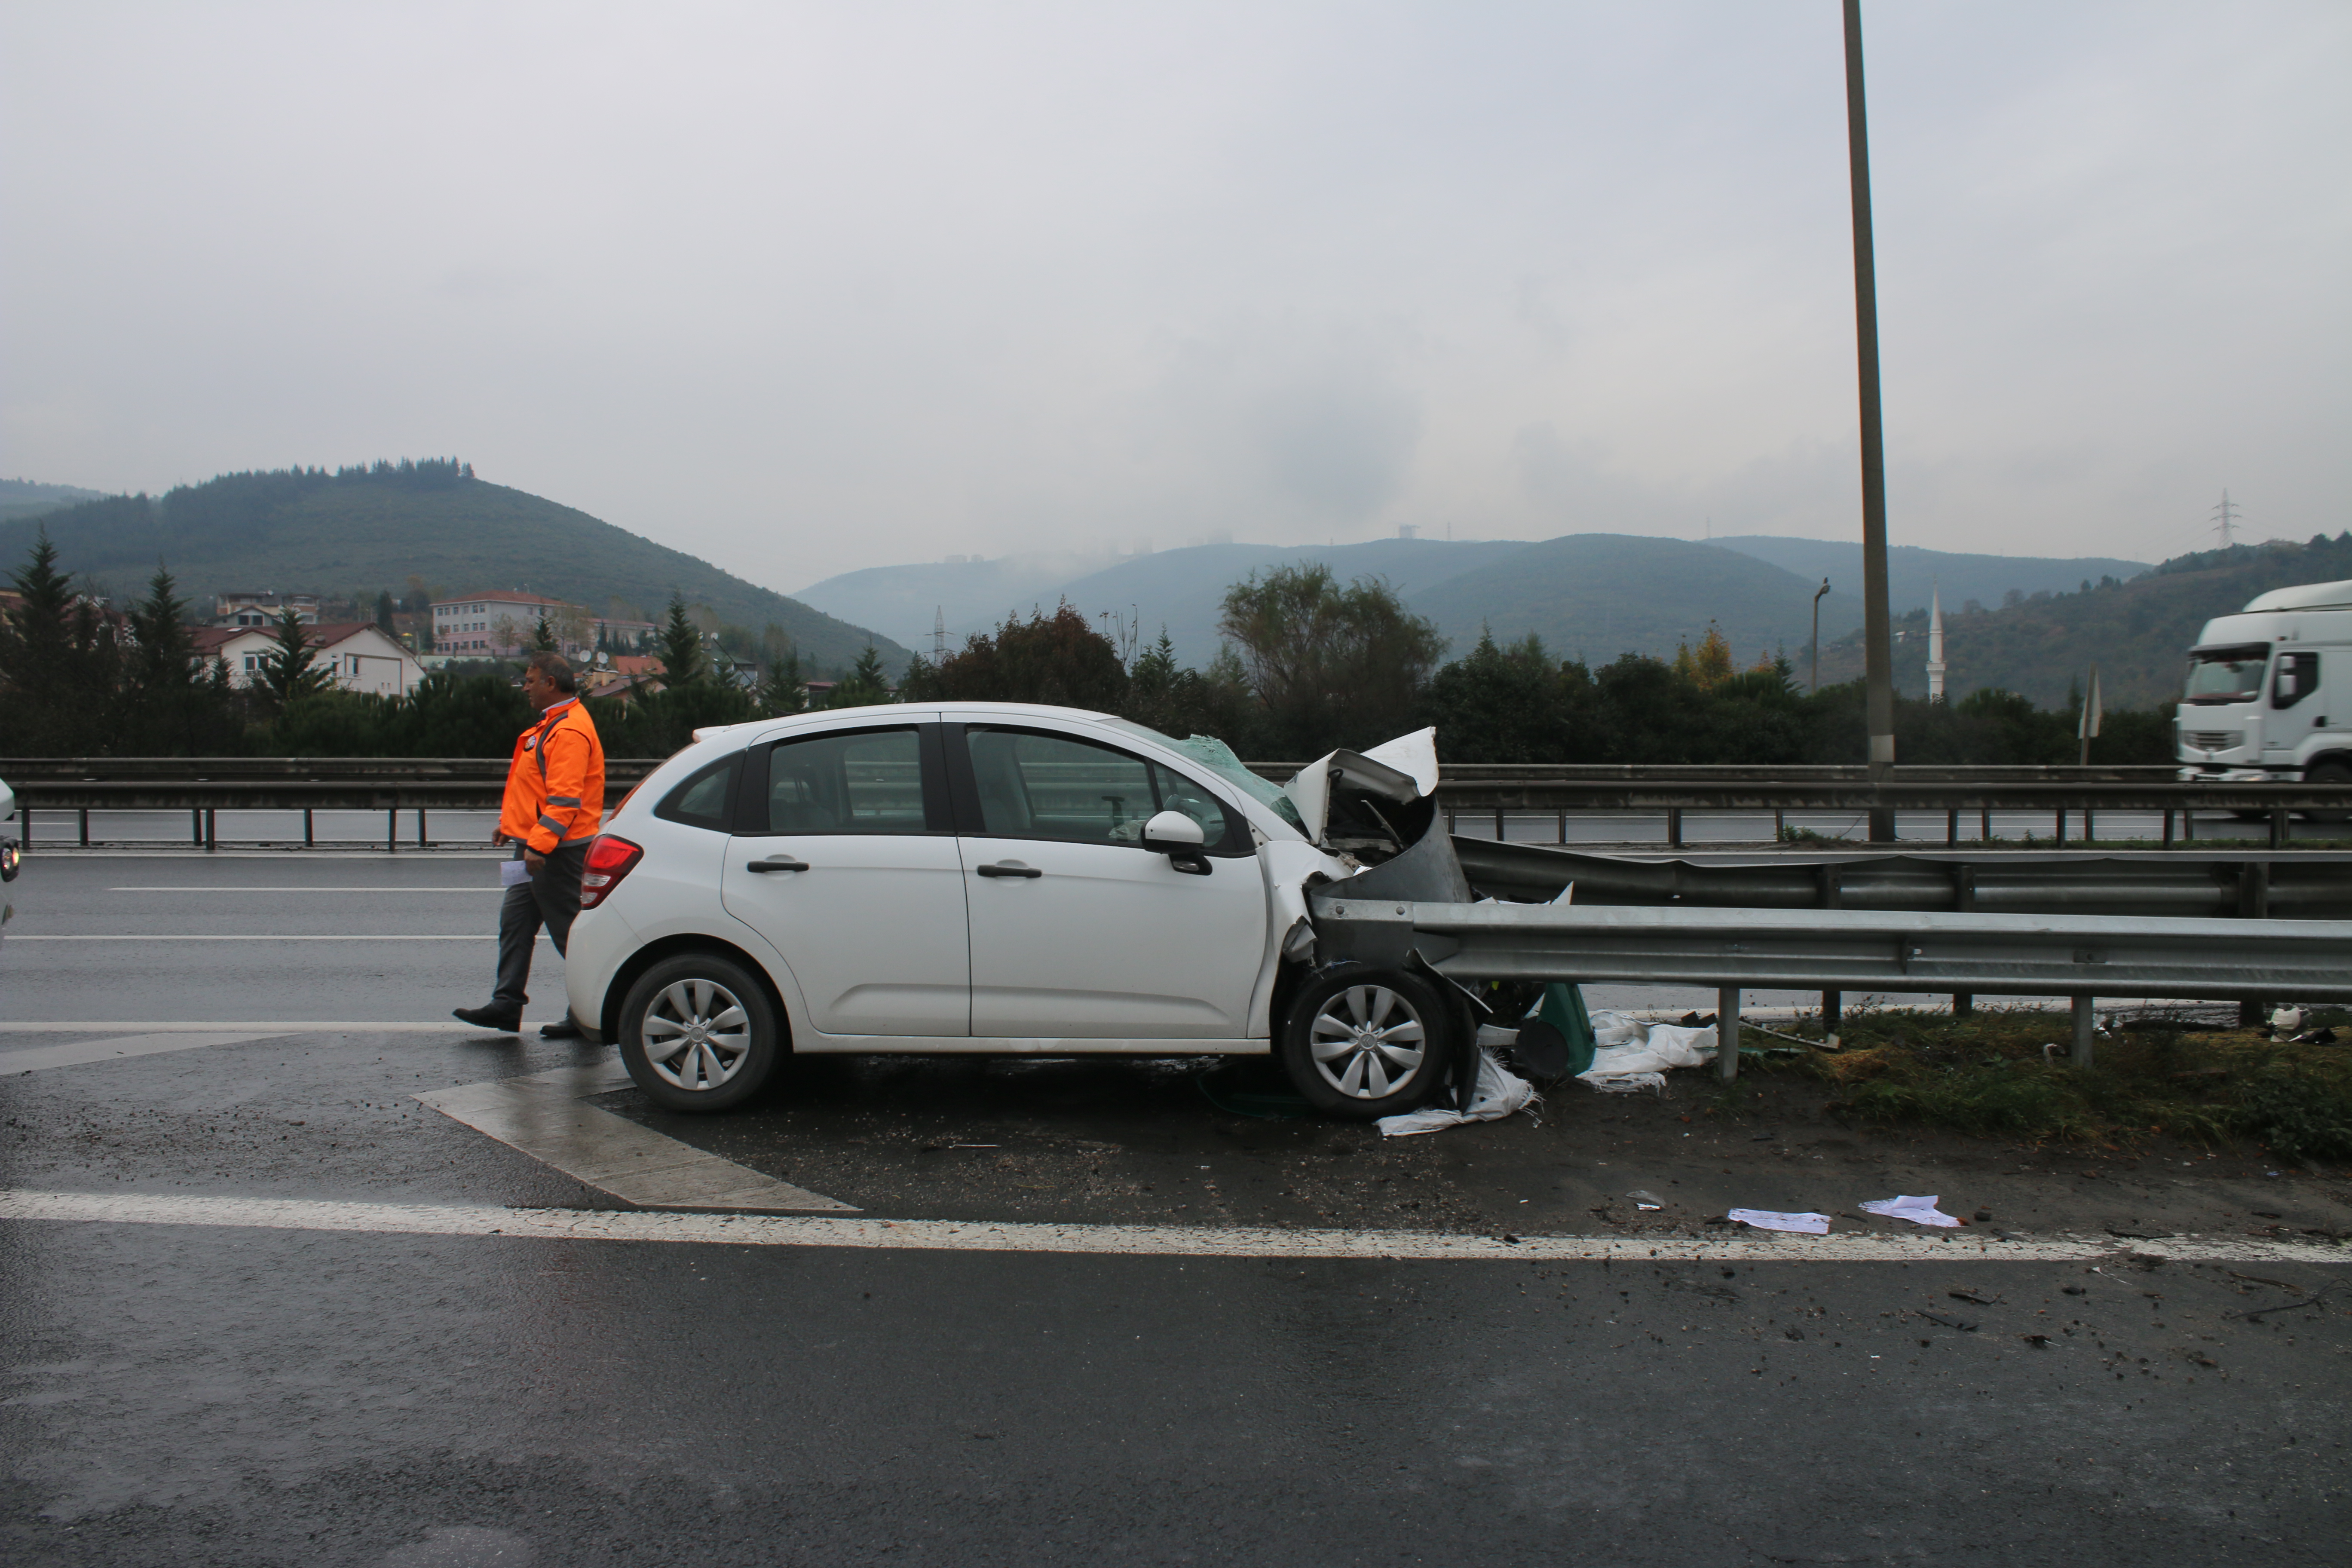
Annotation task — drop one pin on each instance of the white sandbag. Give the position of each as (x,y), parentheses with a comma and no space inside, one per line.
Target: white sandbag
(1666,1048)
(1616,1029)
(1500,1092)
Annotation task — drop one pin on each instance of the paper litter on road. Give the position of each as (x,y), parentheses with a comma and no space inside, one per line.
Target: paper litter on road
(1631,1055)
(513,873)
(1919,1211)
(1765,1219)
(1500,1092)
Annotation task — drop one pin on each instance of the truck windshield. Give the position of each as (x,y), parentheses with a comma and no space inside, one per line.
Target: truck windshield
(2226,674)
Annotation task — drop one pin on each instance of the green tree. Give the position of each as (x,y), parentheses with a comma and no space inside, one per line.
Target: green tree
(1164,696)
(1502,705)
(542,635)
(289,672)
(60,661)
(680,645)
(1058,659)
(383,612)
(1333,666)
(779,684)
(866,683)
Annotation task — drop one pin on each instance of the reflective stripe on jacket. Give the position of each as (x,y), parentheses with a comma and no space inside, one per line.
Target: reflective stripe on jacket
(555,786)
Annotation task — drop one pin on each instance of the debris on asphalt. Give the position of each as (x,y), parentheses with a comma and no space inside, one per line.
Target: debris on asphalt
(1631,1054)
(1646,1199)
(1919,1211)
(1500,1092)
(1766,1219)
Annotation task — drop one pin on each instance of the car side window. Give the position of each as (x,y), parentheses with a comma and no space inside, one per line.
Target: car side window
(703,800)
(2297,676)
(862,781)
(1034,785)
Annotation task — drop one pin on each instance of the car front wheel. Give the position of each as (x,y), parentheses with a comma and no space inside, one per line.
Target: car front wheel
(699,1033)
(1362,1042)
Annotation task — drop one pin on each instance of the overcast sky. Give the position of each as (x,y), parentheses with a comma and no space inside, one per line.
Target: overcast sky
(804,288)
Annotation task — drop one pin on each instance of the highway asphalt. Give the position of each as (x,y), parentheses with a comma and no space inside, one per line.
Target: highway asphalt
(261,1304)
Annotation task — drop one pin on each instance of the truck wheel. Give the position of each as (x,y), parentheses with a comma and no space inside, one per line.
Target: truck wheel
(1362,1042)
(697,1033)
(2326,773)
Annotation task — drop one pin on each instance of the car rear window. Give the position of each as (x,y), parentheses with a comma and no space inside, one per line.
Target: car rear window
(702,801)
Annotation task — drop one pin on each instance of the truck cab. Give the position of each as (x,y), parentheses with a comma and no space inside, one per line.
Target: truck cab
(2269,692)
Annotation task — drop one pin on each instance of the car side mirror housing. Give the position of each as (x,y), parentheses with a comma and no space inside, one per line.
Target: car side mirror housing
(1173,833)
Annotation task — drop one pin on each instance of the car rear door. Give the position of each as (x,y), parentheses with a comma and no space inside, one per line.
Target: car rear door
(845,860)
(1077,930)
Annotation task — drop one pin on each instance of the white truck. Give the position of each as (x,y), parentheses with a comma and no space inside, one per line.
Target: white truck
(2269,694)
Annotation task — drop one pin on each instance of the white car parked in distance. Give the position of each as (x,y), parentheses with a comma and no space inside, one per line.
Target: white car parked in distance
(997,878)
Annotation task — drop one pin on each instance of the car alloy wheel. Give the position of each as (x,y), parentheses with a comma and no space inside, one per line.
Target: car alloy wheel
(696,1035)
(1367,1041)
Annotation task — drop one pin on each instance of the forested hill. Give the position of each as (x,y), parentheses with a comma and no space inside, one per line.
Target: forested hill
(360,530)
(2136,631)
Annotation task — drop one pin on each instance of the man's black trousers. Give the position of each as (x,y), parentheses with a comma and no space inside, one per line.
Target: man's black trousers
(551,898)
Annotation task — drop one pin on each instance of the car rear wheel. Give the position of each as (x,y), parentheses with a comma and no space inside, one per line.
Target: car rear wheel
(699,1033)
(1362,1042)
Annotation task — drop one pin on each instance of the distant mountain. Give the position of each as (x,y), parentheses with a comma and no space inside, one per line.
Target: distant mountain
(2137,632)
(1591,595)
(358,530)
(1912,573)
(23,498)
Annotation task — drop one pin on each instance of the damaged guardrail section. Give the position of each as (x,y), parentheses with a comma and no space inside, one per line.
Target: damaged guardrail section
(1847,949)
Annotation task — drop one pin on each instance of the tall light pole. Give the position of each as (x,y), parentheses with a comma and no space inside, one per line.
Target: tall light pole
(1879,661)
(1817,632)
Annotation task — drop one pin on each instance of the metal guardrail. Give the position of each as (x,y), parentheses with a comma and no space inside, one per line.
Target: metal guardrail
(1833,951)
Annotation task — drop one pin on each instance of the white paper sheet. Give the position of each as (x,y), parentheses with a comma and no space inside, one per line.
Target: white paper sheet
(513,873)
(1919,1211)
(1766,1219)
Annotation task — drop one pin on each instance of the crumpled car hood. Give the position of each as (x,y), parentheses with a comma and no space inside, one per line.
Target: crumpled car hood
(1402,770)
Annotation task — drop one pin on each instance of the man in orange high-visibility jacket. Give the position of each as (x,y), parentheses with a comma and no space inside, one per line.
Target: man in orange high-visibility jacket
(554,805)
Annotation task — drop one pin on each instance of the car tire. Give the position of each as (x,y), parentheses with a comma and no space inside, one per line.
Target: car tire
(699,1033)
(2326,773)
(1361,1042)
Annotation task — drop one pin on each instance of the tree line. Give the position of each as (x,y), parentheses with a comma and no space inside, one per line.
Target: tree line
(1309,664)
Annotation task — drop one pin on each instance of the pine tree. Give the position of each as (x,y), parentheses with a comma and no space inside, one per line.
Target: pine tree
(542,635)
(162,658)
(681,648)
(384,609)
(780,689)
(290,670)
(867,684)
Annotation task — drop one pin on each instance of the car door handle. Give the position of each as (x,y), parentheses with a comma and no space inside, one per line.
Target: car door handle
(1005,868)
(777,863)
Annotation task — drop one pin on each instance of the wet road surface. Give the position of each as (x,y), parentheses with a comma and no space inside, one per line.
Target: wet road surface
(192,1390)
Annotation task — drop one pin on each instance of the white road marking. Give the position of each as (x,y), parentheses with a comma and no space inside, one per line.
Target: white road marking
(543,1115)
(246,888)
(267,1026)
(267,936)
(1167,1241)
(78,1052)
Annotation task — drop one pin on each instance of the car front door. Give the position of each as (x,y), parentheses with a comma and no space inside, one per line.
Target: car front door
(845,860)
(1077,930)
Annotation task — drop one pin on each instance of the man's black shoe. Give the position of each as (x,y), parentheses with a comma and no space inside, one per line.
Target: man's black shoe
(561,1029)
(490,1018)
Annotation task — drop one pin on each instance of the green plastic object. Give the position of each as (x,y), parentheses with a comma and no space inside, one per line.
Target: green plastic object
(1563,1010)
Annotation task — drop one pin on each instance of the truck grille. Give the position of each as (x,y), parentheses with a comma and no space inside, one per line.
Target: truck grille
(2212,740)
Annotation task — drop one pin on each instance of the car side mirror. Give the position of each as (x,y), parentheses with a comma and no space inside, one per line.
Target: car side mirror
(1173,833)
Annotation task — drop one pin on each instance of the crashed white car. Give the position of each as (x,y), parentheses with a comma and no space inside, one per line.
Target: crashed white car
(1008,879)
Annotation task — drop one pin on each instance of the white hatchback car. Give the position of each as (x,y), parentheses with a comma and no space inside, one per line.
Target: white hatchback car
(1000,878)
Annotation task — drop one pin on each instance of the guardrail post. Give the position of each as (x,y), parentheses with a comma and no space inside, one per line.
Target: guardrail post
(1779,825)
(1832,896)
(1952,828)
(2187,826)
(24,822)
(310,839)
(1726,1032)
(2168,827)
(1984,824)
(1964,898)
(2084,1022)
(420,827)
(196,826)
(2062,827)
(211,829)
(1673,827)
(2278,830)
(84,814)
(1563,826)
(2254,904)
(392,830)
(2090,827)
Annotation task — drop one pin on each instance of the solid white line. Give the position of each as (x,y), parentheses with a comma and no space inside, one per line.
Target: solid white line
(153,1043)
(544,1116)
(475,888)
(266,1026)
(1167,1241)
(207,936)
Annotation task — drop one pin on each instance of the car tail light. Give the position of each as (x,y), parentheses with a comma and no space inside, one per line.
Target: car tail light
(609,860)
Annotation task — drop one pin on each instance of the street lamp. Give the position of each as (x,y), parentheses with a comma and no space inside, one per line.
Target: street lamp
(1817,632)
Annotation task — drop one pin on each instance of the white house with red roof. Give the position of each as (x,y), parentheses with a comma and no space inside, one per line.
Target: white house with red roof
(357,654)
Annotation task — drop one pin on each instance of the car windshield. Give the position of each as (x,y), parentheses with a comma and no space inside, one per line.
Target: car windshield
(2226,674)
(1218,758)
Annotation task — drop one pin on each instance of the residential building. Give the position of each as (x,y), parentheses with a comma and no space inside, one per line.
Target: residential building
(501,625)
(246,608)
(358,654)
